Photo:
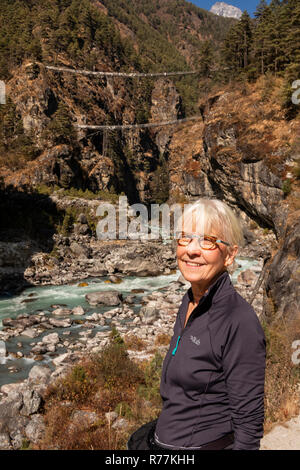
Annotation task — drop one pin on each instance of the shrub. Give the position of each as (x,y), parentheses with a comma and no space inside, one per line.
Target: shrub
(287,187)
(150,390)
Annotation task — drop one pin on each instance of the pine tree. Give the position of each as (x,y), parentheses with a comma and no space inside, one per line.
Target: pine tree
(238,44)
(261,8)
(206,58)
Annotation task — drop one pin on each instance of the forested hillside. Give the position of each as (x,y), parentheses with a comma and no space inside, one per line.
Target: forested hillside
(269,44)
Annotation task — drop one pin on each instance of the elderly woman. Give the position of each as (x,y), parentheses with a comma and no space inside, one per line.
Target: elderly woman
(212,383)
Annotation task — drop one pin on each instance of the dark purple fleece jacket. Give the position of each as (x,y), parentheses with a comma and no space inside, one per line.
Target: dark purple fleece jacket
(213,374)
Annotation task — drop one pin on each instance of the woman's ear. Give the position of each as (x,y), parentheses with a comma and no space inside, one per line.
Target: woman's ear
(231,254)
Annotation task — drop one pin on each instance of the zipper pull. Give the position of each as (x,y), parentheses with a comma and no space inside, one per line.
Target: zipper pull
(175,349)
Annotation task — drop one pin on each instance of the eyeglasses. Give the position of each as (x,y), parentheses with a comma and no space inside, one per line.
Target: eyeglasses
(206,242)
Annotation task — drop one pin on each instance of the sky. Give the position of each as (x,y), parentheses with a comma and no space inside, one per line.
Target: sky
(249,5)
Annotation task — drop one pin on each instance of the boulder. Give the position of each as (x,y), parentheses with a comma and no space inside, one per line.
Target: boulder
(130,299)
(10,388)
(30,333)
(59,359)
(61,312)
(104,298)
(60,322)
(78,310)
(149,314)
(39,374)
(121,424)
(111,416)
(84,419)
(247,277)
(52,338)
(79,250)
(16,429)
(5,443)
(35,429)
(31,402)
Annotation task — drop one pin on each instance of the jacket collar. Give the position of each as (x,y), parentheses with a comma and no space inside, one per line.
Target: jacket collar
(218,289)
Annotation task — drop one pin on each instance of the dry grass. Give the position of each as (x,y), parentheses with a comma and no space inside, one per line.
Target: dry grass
(282,376)
(134,343)
(108,381)
(162,339)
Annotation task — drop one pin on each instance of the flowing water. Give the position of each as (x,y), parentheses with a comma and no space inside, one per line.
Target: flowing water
(40,299)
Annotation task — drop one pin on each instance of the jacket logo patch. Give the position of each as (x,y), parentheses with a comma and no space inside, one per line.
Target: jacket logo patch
(195,340)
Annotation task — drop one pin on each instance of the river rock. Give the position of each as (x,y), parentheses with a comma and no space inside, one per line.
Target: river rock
(8,322)
(31,333)
(139,267)
(2,349)
(11,388)
(60,322)
(149,314)
(52,338)
(59,359)
(78,310)
(39,374)
(60,312)
(104,298)
(130,299)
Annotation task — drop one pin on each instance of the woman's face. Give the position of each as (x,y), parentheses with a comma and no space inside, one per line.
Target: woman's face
(199,266)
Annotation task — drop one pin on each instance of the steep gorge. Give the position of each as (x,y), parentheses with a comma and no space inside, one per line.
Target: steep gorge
(241,149)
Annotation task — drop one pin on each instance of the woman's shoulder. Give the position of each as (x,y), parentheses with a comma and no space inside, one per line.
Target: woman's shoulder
(236,310)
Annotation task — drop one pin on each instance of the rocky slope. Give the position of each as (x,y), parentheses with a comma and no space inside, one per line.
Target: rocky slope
(244,152)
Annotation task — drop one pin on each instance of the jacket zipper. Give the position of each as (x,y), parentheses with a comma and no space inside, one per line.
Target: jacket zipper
(176,347)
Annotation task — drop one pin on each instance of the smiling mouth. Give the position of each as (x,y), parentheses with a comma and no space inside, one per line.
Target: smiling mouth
(193,265)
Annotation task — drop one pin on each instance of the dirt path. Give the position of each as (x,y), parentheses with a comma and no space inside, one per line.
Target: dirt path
(283,437)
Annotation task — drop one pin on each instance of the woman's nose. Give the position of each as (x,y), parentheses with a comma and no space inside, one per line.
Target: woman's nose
(193,246)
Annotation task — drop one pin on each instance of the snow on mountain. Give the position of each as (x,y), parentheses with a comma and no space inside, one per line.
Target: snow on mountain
(223,9)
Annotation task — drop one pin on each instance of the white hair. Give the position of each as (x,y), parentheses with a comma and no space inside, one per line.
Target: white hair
(212,217)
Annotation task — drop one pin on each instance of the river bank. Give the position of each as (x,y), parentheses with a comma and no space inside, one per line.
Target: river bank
(46,329)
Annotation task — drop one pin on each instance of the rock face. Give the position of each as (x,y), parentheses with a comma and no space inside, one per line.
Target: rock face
(223,9)
(134,167)
(233,158)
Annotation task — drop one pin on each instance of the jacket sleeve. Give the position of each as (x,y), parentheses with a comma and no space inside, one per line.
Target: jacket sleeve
(243,359)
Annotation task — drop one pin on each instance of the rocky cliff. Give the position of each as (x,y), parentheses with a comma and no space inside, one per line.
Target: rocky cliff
(245,152)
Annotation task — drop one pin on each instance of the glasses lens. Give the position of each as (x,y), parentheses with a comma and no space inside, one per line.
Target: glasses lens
(184,241)
(207,243)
